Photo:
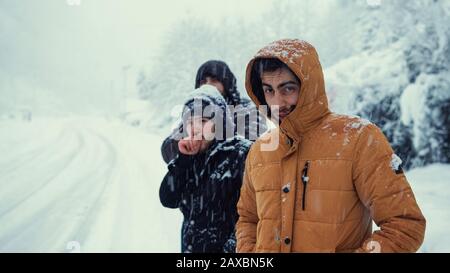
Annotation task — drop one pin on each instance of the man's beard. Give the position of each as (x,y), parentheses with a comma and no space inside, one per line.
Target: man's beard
(283,113)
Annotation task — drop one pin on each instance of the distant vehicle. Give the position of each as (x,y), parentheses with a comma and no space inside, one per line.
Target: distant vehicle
(137,113)
(19,115)
(135,119)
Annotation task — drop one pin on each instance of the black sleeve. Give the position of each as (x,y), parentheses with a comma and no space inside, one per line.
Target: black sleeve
(239,164)
(238,176)
(169,148)
(174,182)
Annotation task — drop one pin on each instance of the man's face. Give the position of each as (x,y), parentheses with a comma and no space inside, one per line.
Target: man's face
(213,82)
(201,129)
(281,90)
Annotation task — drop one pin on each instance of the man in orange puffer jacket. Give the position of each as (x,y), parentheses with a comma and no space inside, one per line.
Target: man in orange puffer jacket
(328,177)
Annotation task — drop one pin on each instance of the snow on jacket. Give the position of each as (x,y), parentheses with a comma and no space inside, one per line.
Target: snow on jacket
(330,176)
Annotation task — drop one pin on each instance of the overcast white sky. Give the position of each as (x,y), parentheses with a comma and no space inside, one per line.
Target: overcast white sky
(76,50)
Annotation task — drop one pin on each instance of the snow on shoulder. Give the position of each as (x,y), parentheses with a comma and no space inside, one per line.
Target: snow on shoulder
(396,162)
(356,122)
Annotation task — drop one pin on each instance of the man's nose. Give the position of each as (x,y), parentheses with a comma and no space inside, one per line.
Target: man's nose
(279,100)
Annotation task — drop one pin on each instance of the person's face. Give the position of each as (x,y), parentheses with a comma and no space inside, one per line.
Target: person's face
(214,82)
(281,90)
(201,129)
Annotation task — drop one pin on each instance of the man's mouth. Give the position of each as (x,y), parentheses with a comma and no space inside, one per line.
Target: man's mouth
(284,113)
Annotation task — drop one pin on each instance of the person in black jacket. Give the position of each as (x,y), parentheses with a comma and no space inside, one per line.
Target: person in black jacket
(205,177)
(251,123)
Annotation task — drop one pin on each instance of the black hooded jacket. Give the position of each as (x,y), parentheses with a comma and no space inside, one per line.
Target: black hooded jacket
(206,188)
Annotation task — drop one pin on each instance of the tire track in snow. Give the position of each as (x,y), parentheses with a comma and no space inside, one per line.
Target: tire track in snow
(83,191)
(86,225)
(33,205)
(4,209)
(38,154)
(105,198)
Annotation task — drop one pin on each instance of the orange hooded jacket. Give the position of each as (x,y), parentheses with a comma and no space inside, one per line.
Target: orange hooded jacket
(352,177)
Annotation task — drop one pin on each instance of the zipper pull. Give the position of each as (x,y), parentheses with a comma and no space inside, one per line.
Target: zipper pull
(305,177)
(305,180)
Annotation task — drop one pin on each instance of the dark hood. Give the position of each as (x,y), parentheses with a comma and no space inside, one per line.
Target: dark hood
(198,100)
(221,72)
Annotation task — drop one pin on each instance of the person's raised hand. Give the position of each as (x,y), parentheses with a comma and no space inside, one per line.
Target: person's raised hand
(189,146)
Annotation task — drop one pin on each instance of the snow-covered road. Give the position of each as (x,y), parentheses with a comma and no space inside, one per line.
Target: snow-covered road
(89,185)
(82,184)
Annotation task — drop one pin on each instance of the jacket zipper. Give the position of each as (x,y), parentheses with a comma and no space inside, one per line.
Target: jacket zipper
(305,180)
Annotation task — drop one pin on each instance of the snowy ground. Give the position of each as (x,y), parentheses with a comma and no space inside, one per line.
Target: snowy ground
(82,184)
(85,184)
(432,189)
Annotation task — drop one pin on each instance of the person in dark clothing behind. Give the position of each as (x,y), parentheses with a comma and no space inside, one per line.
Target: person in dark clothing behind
(205,177)
(249,122)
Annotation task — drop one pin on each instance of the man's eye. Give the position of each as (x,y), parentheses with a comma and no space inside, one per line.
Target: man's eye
(290,89)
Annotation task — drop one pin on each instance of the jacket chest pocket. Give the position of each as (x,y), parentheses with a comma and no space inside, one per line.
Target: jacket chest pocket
(333,175)
(325,190)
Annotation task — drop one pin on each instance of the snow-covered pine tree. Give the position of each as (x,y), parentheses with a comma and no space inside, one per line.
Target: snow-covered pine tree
(421,32)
